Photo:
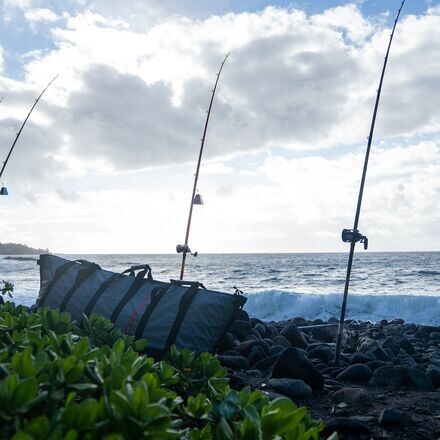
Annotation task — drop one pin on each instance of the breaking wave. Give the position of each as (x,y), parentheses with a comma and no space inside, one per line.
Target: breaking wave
(275,305)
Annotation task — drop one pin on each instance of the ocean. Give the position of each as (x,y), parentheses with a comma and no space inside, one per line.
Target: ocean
(384,285)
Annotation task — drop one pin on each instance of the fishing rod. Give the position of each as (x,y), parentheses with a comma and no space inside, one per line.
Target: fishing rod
(196,199)
(1,99)
(3,190)
(353,236)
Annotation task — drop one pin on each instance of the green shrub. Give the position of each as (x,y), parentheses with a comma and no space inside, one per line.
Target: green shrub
(62,382)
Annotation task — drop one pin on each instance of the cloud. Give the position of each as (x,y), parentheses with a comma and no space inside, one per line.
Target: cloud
(292,81)
(1,60)
(40,15)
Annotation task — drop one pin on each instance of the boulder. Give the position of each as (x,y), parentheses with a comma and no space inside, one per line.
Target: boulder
(324,334)
(433,373)
(361,358)
(293,388)
(261,329)
(357,373)
(281,340)
(294,336)
(226,343)
(346,426)
(322,352)
(352,396)
(265,364)
(396,376)
(245,347)
(240,328)
(256,354)
(294,364)
(405,344)
(390,417)
(276,349)
(234,362)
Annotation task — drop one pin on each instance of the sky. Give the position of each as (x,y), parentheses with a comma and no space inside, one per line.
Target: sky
(106,162)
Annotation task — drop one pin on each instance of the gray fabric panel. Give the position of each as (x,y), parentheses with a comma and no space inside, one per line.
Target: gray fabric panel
(79,300)
(206,321)
(62,286)
(111,297)
(131,313)
(162,319)
(48,266)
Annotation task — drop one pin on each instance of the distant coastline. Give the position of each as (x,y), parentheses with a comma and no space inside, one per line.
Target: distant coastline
(20,249)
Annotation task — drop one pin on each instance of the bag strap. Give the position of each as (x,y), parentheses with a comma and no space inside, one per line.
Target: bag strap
(131,271)
(81,277)
(101,289)
(185,302)
(135,286)
(156,295)
(187,283)
(58,274)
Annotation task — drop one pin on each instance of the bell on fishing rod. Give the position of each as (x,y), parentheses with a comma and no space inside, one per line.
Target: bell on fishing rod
(3,189)
(184,249)
(198,199)
(353,236)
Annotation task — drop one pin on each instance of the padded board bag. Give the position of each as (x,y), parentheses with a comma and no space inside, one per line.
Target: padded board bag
(181,313)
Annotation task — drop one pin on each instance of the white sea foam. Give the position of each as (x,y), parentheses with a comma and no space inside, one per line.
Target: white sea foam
(276,305)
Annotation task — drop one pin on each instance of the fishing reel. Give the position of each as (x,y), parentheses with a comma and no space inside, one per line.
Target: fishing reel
(184,248)
(354,236)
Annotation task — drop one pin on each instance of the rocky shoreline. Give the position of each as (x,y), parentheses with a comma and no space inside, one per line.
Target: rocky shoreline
(387,385)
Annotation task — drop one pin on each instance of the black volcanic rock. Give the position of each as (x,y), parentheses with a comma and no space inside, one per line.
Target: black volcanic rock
(357,373)
(294,364)
(234,362)
(396,376)
(241,328)
(294,336)
(390,417)
(293,388)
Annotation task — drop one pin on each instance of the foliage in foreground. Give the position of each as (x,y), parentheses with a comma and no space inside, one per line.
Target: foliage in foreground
(59,381)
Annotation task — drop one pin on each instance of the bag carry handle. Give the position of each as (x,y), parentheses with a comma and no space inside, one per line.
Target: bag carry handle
(144,268)
(188,283)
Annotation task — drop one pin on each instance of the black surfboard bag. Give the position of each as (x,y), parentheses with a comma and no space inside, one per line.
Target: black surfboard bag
(179,312)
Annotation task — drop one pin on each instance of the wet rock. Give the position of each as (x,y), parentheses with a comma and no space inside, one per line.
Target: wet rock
(242,315)
(265,364)
(390,417)
(276,349)
(357,373)
(261,329)
(294,336)
(322,352)
(396,376)
(234,362)
(374,365)
(352,396)
(433,373)
(435,336)
(245,347)
(346,426)
(256,354)
(238,382)
(255,321)
(293,388)
(271,331)
(231,353)
(294,364)
(256,333)
(226,343)
(361,358)
(281,340)
(324,334)
(405,344)
(241,328)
